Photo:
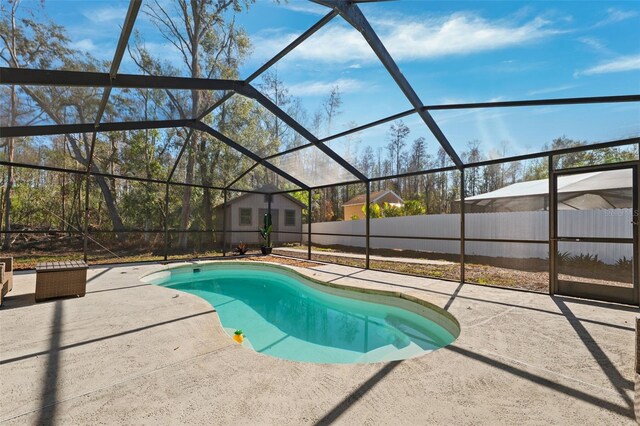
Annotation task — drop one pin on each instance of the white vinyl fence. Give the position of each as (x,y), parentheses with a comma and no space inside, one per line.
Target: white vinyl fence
(516,225)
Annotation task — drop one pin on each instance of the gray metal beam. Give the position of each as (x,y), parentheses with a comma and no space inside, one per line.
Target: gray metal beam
(130,19)
(6,132)
(354,16)
(63,129)
(501,104)
(367,250)
(36,77)
(309,220)
(538,102)
(187,141)
(198,125)
(243,174)
(114,176)
(553,227)
(295,43)
(253,93)
(463,247)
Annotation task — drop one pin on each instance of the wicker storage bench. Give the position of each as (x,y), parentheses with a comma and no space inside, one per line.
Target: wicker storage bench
(6,276)
(60,279)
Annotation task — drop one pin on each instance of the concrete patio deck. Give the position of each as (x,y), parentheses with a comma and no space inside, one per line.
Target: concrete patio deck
(133,353)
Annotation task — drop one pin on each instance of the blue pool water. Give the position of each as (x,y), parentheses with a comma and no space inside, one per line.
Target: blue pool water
(286,316)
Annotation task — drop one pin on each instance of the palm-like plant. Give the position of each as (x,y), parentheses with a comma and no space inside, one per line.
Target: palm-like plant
(265,231)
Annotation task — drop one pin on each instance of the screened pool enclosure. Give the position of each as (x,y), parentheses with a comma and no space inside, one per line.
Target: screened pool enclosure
(124,156)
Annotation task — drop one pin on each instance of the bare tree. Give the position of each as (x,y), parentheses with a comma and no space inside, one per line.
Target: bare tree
(331,106)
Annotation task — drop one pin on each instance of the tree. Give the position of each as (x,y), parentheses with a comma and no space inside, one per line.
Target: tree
(472,174)
(367,162)
(413,208)
(374,211)
(398,133)
(31,44)
(331,106)
(418,161)
(281,135)
(210,47)
(441,182)
(389,210)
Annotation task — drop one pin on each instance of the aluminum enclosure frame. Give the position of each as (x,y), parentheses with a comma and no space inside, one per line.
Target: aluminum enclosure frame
(351,13)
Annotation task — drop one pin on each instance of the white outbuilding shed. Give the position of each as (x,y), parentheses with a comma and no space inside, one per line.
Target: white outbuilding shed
(245,215)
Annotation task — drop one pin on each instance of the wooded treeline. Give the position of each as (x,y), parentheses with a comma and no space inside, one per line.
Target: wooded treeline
(212,45)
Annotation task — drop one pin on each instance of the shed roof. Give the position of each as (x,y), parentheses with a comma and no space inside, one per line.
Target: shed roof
(266,188)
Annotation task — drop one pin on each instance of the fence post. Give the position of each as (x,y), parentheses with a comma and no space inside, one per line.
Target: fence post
(368,225)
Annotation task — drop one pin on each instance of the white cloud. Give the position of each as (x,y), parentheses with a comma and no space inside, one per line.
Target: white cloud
(620,64)
(461,34)
(616,15)
(595,44)
(106,14)
(554,89)
(456,34)
(305,7)
(85,45)
(316,88)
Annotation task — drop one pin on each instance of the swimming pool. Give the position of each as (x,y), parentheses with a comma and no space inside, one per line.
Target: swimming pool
(286,315)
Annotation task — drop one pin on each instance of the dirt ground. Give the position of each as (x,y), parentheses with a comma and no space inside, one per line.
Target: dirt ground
(527,274)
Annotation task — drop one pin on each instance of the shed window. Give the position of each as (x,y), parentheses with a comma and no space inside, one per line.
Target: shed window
(289,218)
(245,217)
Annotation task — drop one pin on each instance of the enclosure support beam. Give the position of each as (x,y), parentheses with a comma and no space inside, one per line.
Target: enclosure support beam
(367,225)
(224,223)
(130,19)
(553,212)
(636,233)
(85,233)
(112,176)
(40,77)
(198,125)
(166,222)
(462,227)
(501,104)
(187,141)
(350,11)
(246,172)
(62,129)
(251,92)
(309,219)
(269,196)
(295,43)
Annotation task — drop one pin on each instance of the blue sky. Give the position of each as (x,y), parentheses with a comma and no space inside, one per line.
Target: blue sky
(449,51)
